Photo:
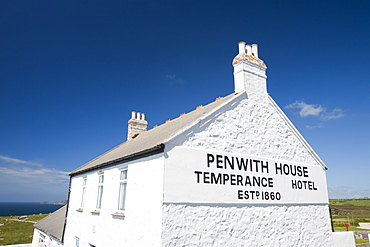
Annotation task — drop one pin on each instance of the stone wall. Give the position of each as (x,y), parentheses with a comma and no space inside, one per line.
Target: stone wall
(252,128)
(247,127)
(230,225)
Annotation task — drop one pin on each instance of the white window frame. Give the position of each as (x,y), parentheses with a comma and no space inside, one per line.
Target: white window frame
(122,195)
(42,240)
(77,241)
(84,181)
(100,190)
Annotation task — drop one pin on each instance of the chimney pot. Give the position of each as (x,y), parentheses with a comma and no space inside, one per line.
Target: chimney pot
(250,73)
(241,47)
(136,125)
(255,50)
(249,49)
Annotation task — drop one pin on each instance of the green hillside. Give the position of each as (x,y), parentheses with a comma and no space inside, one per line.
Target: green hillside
(18,229)
(351,211)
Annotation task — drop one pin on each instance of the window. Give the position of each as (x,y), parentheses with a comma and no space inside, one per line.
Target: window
(83,191)
(100,191)
(122,189)
(77,241)
(42,241)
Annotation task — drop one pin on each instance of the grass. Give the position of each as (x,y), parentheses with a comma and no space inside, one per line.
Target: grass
(36,217)
(350,202)
(17,232)
(340,220)
(350,211)
(350,228)
(362,241)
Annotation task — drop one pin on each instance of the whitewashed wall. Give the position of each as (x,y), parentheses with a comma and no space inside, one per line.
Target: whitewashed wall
(141,225)
(344,239)
(245,127)
(232,225)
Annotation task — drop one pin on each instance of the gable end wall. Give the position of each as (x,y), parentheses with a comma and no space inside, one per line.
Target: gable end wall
(244,127)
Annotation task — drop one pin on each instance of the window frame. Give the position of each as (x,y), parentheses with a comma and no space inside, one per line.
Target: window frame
(77,241)
(83,195)
(42,240)
(99,198)
(122,198)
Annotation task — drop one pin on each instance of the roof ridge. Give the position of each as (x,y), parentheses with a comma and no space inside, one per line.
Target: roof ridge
(200,118)
(186,114)
(152,138)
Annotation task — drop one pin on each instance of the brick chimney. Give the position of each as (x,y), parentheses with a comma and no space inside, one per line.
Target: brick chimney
(250,73)
(136,125)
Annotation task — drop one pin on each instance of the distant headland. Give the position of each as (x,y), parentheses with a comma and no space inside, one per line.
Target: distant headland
(64,202)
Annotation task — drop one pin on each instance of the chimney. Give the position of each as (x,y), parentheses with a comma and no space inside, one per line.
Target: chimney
(136,125)
(250,73)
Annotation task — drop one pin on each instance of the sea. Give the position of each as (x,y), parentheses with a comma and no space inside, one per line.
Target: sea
(26,208)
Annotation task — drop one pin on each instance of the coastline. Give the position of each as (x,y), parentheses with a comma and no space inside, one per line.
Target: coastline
(26,208)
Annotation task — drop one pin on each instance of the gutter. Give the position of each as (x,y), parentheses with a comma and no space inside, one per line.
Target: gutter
(144,153)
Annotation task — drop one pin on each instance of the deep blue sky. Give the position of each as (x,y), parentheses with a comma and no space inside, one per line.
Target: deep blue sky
(71,72)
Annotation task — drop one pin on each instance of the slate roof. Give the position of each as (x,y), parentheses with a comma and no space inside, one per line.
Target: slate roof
(54,223)
(152,141)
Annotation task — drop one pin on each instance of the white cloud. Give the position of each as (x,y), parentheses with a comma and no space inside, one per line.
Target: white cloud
(172,79)
(28,175)
(336,113)
(24,179)
(317,126)
(16,161)
(306,110)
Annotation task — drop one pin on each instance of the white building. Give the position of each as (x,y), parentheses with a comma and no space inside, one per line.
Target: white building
(235,172)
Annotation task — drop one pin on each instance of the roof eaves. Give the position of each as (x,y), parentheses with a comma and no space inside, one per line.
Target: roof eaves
(49,234)
(144,153)
(57,217)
